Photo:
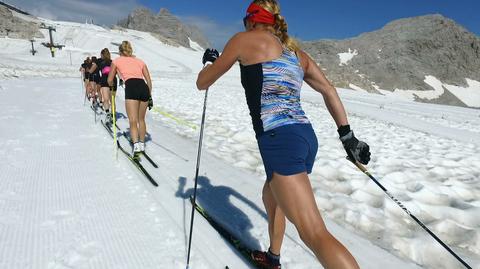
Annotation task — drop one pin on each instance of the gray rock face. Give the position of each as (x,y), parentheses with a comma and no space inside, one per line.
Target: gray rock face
(401,54)
(15,27)
(164,26)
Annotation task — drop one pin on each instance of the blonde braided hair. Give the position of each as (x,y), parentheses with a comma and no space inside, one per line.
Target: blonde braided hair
(281,27)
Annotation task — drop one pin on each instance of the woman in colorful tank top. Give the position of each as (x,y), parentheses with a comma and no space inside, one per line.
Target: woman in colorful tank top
(137,92)
(273,69)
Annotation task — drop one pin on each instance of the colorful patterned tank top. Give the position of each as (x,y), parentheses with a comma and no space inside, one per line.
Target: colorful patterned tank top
(273,90)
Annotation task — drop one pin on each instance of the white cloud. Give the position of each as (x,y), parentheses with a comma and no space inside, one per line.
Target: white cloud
(106,12)
(218,34)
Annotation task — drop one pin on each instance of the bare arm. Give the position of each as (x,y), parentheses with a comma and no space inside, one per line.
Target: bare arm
(94,66)
(111,75)
(146,74)
(317,80)
(212,72)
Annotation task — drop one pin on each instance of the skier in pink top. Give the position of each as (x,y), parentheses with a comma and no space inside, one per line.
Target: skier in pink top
(138,93)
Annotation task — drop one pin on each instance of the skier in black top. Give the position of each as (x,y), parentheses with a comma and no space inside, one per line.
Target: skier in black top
(103,65)
(84,67)
(94,79)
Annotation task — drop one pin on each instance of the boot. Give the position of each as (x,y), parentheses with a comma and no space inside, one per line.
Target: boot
(266,260)
(108,118)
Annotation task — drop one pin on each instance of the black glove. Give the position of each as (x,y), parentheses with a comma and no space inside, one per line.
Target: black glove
(356,150)
(150,103)
(210,55)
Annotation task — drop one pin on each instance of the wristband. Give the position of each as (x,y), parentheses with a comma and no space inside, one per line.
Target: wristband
(343,130)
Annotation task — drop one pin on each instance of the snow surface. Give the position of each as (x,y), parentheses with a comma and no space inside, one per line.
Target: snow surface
(345,57)
(432,81)
(355,87)
(66,202)
(469,95)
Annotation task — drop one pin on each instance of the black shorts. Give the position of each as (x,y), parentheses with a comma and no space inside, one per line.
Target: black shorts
(136,89)
(95,78)
(104,83)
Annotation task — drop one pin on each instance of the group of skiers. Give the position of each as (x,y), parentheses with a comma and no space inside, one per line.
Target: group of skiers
(100,81)
(95,74)
(273,68)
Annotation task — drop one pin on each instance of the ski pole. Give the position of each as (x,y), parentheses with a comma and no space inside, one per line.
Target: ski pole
(199,154)
(95,110)
(81,81)
(364,170)
(114,115)
(85,89)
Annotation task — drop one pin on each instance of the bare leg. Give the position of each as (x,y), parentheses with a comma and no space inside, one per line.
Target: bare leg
(97,90)
(85,83)
(295,197)
(89,89)
(276,220)
(142,126)
(92,91)
(112,93)
(132,112)
(105,97)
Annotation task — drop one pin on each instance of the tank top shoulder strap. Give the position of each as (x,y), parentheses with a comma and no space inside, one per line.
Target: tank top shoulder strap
(285,50)
(279,41)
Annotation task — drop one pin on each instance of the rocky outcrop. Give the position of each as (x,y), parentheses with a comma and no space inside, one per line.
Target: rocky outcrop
(14,27)
(164,26)
(401,54)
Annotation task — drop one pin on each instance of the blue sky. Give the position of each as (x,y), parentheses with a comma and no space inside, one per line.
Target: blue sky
(317,19)
(307,19)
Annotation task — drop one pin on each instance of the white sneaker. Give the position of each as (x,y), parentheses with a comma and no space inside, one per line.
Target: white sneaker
(136,148)
(108,118)
(142,146)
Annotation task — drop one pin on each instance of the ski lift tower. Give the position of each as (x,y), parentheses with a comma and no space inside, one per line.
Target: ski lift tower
(33,51)
(52,46)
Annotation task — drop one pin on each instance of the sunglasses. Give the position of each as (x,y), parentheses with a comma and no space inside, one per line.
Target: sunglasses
(245,19)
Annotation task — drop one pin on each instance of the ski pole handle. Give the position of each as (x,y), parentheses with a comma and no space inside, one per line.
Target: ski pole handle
(358,165)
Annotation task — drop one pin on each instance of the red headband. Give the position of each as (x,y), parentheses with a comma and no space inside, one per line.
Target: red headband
(256,13)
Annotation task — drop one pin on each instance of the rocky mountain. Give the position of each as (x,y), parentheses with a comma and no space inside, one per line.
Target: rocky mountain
(401,55)
(164,26)
(15,25)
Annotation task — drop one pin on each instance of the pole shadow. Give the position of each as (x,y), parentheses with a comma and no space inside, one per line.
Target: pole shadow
(126,133)
(120,115)
(216,200)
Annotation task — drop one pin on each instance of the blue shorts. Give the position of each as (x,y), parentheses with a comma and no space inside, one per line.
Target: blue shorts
(288,150)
